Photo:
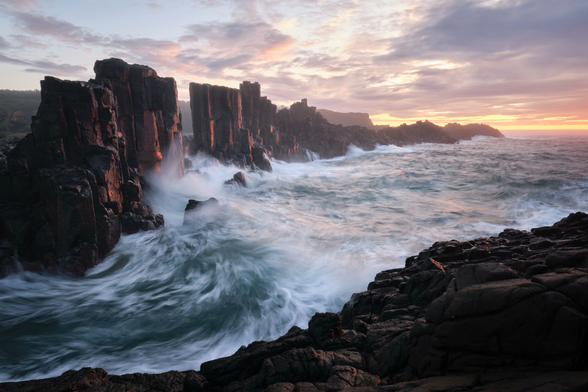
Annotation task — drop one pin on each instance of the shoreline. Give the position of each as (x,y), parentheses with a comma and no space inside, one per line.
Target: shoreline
(485,313)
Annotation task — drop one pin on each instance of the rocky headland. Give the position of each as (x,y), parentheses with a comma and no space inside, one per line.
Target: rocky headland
(463,314)
(348,119)
(497,313)
(71,185)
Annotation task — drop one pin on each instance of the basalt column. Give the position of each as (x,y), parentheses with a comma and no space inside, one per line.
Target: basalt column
(216,119)
(149,114)
(72,185)
(63,190)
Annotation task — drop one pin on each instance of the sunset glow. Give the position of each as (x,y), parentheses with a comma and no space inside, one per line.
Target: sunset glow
(515,65)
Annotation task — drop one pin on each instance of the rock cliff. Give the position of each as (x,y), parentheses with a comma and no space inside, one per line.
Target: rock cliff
(466,132)
(348,119)
(70,185)
(497,313)
(419,132)
(237,125)
(148,113)
(242,127)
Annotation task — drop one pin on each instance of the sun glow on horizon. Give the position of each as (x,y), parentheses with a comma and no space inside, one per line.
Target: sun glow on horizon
(500,122)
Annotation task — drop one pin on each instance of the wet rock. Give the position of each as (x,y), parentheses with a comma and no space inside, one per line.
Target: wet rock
(459,324)
(97,380)
(238,179)
(216,118)
(325,327)
(148,114)
(67,184)
(260,159)
(194,206)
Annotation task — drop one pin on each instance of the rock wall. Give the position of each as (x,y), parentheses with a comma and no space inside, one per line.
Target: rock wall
(216,118)
(70,185)
(308,128)
(232,128)
(230,124)
(148,113)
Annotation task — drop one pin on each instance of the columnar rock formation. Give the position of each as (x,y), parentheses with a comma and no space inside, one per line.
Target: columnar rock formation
(241,126)
(233,128)
(148,113)
(216,118)
(313,132)
(71,183)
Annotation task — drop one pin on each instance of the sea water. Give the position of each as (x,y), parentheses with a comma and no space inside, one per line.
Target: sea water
(295,241)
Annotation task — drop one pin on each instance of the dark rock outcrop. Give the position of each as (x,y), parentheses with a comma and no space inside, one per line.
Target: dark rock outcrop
(216,119)
(238,179)
(194,206)
(499,313)
(237,126)
(97,380)
(468,131)
(70,185)
(302,124)
(241,126)
(148,113)
(420,132)
(347,119)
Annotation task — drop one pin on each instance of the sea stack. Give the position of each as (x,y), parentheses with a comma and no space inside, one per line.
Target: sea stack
(71,184)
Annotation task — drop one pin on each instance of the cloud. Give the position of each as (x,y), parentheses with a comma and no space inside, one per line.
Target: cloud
(406,57)
(256,38)
(10,60)
(37,24)
(45,67)
(3,43)
(145,45)
(21,4)
(27,42)
(466,29)
(222,63)
(49,67)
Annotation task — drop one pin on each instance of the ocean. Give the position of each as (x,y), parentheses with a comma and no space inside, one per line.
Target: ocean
(295,241)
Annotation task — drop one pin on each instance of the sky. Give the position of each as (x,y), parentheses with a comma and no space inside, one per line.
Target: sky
(512,64)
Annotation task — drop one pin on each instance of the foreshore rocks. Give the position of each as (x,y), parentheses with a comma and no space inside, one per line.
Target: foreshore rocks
(498,313)
(71,184)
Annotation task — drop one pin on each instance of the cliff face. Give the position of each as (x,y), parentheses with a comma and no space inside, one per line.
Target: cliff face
(71,184)
(216,118)
(236,125)
(231,124)
(313,132)
(148,113)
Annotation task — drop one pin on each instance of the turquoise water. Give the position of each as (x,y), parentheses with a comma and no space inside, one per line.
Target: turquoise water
(296,241)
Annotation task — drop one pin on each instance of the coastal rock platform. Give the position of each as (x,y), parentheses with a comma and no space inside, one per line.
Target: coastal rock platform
(502,313)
